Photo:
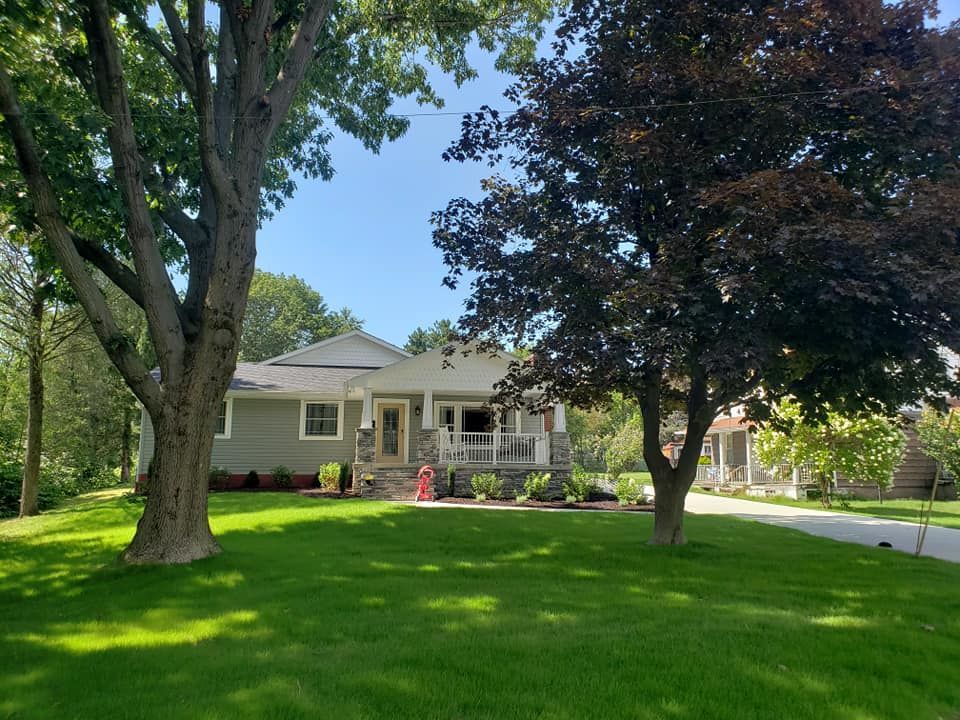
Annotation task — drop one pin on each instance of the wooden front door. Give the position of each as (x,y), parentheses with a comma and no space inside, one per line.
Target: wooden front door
(391,435)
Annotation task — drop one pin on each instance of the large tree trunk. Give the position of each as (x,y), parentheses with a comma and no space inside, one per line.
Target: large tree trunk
(670,483)
(174,526)
(671,493)
(30,487)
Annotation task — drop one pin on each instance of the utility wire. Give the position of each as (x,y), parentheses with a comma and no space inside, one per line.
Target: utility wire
(592,109)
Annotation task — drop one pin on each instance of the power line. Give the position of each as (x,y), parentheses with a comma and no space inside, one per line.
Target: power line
(593,109)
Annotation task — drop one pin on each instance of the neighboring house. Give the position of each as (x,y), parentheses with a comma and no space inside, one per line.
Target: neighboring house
(731,462)
(360,399)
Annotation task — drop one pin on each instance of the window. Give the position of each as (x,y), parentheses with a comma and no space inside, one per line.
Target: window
(446,418)
(508,422)
(321,420)
(222,425)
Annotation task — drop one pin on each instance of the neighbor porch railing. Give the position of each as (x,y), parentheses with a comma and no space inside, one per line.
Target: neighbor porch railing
(473,448)
(738,475)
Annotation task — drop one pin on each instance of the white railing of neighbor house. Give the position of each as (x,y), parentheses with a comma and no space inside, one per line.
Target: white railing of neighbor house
(738,475)
(472,448)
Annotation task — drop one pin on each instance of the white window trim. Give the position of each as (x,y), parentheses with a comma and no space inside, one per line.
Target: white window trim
(303,419)
(377,402)
(227,423)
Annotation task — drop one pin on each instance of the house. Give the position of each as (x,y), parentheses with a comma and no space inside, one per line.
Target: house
(358,398)
(728,460)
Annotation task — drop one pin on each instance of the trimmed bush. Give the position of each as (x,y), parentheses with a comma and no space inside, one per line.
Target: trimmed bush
(217,478)
(282,476)
(329,476)
(629,491)
(345,473)
(580,486)
(252,480)
(486,485)
(521,498)
(451,480)
(536,485)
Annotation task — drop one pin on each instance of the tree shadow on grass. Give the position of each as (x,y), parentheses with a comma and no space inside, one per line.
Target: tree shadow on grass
(396,611)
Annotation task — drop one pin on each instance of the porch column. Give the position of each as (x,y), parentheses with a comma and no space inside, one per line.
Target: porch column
(427,410)
(749,443)
(559,418)
(366,416)
(722,441)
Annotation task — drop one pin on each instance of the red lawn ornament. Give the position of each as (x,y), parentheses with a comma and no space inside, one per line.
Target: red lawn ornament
(425,475)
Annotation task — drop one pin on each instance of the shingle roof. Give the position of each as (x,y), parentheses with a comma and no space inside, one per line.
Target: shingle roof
(292,378)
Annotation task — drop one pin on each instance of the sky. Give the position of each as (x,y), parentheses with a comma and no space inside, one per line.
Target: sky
(363,239)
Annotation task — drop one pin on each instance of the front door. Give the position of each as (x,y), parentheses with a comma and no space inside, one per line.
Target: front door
(390,433)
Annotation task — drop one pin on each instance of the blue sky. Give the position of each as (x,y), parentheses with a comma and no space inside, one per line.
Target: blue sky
(363,239)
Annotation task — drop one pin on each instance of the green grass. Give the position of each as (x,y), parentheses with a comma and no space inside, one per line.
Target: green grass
(643,476)
(945,512)
(358,609)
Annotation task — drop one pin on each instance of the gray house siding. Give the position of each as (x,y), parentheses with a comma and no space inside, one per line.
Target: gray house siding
(266,433)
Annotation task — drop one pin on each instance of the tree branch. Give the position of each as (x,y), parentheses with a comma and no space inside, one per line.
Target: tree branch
(211,156)
(121,352)
(117,272)
(299,52)
(160,300)
(179,60)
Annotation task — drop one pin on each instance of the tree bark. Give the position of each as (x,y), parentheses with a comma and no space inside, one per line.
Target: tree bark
(671,484)
(174,528)
(30,487)
(126,434)
(671,495)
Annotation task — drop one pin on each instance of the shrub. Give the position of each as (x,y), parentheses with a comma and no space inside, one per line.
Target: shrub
(330,476)
(344,478)
(10,481)
(579,486)
(629,491)
(536,485)
(252,480)
(451,480)
(282,476)
(521,498)
(571,499)
(486,485)
(217,478)
(626,448)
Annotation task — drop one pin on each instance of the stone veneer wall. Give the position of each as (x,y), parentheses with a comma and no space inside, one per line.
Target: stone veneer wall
(428,447)
(513,477)
(366,453)
(560,449)
(399,482)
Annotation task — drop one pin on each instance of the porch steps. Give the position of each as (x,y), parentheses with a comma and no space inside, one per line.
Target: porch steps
(391,484)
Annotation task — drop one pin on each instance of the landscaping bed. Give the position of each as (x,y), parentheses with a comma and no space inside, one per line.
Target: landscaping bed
(327,494)
(554,504)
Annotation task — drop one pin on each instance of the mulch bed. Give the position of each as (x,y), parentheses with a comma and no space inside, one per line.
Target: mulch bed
(326,494)
(590,505)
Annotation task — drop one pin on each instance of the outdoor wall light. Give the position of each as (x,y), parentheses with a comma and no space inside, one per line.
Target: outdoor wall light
(416,411)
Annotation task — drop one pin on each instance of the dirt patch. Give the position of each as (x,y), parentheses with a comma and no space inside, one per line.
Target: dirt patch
(558,504)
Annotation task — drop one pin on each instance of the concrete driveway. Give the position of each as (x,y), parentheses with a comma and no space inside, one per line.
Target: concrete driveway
(943,543)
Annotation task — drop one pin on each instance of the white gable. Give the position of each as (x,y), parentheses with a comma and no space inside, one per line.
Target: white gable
(353,349)
(473,373)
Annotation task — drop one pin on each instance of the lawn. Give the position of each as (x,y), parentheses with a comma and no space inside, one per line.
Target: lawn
(945,512)
(358,609)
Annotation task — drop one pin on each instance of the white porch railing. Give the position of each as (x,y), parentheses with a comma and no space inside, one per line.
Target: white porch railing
(738,475)
(472,448)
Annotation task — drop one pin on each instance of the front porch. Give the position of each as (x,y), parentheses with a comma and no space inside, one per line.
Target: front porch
(733,466)
(434,410)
